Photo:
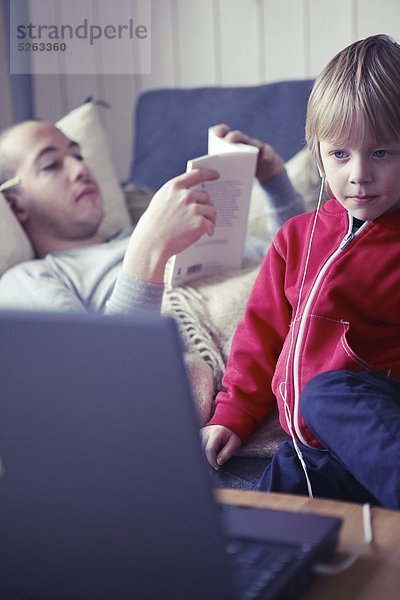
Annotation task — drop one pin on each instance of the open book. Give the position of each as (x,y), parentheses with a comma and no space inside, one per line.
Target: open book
(230,194)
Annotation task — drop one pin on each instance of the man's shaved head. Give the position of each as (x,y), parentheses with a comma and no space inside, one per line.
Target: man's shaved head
(9,153)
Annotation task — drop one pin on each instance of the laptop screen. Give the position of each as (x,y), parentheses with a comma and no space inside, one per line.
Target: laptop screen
(104,492)
(104,488)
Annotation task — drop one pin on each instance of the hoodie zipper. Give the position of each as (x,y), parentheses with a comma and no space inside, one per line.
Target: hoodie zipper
(303,320)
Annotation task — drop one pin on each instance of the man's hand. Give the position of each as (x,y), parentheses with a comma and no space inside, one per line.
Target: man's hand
(219,444)
(269,163)
(176,218)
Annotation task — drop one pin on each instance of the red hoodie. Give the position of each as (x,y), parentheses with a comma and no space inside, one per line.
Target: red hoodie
(346,317)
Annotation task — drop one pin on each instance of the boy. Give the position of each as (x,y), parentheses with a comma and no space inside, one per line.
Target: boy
(321,330)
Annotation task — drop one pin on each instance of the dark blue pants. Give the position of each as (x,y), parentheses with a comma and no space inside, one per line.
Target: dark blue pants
(356,416)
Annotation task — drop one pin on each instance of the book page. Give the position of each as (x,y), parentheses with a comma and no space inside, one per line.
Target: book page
(230,194)
(218,145)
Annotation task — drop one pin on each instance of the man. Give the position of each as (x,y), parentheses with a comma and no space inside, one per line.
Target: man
(56,199)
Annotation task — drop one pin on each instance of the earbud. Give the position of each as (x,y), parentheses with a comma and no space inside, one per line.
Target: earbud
(321,174)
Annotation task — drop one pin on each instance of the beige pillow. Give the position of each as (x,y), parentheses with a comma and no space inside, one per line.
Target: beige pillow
(14,244)
(303,173)
(83,125)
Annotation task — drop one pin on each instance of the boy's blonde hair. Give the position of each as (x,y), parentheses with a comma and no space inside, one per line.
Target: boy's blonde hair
(358,92)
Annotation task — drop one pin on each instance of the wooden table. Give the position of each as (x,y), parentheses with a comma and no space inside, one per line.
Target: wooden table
(375,576)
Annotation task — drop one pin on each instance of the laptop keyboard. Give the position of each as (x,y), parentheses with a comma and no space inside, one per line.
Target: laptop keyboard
(261,570)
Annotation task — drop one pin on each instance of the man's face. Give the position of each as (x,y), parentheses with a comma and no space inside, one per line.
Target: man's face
(57,193)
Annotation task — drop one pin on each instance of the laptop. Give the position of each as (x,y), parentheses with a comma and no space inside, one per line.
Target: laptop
(104,488)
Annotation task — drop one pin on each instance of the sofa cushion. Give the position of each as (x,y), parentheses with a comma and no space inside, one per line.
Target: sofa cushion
(171,124)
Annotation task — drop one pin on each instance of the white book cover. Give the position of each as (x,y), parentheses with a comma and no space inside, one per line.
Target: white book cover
(230,194)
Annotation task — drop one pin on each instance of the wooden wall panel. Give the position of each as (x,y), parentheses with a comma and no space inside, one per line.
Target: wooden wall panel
(164,64)
(50,91)
(197,40)
(378,17)
(238,26)
(284,31)
(330,30)
(50,96)
(215,42)
(121,93)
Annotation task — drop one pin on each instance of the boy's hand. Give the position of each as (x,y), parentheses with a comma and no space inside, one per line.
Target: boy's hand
(269,163)
(219,444)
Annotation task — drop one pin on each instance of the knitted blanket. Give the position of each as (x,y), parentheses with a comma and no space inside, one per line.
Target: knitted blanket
(207,313)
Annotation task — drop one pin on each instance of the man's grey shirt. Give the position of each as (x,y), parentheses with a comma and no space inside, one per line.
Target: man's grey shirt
(89,278)
(86,278)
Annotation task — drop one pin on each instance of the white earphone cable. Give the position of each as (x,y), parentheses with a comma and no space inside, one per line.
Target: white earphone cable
(283,385)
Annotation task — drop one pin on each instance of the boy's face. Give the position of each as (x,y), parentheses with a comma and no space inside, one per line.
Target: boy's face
(363,176)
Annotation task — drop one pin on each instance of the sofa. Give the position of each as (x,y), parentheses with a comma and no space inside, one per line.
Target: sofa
(171,124)
(170,128)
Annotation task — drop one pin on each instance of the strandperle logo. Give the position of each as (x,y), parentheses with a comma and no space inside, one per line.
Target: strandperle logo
(80,37)
(85,31)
